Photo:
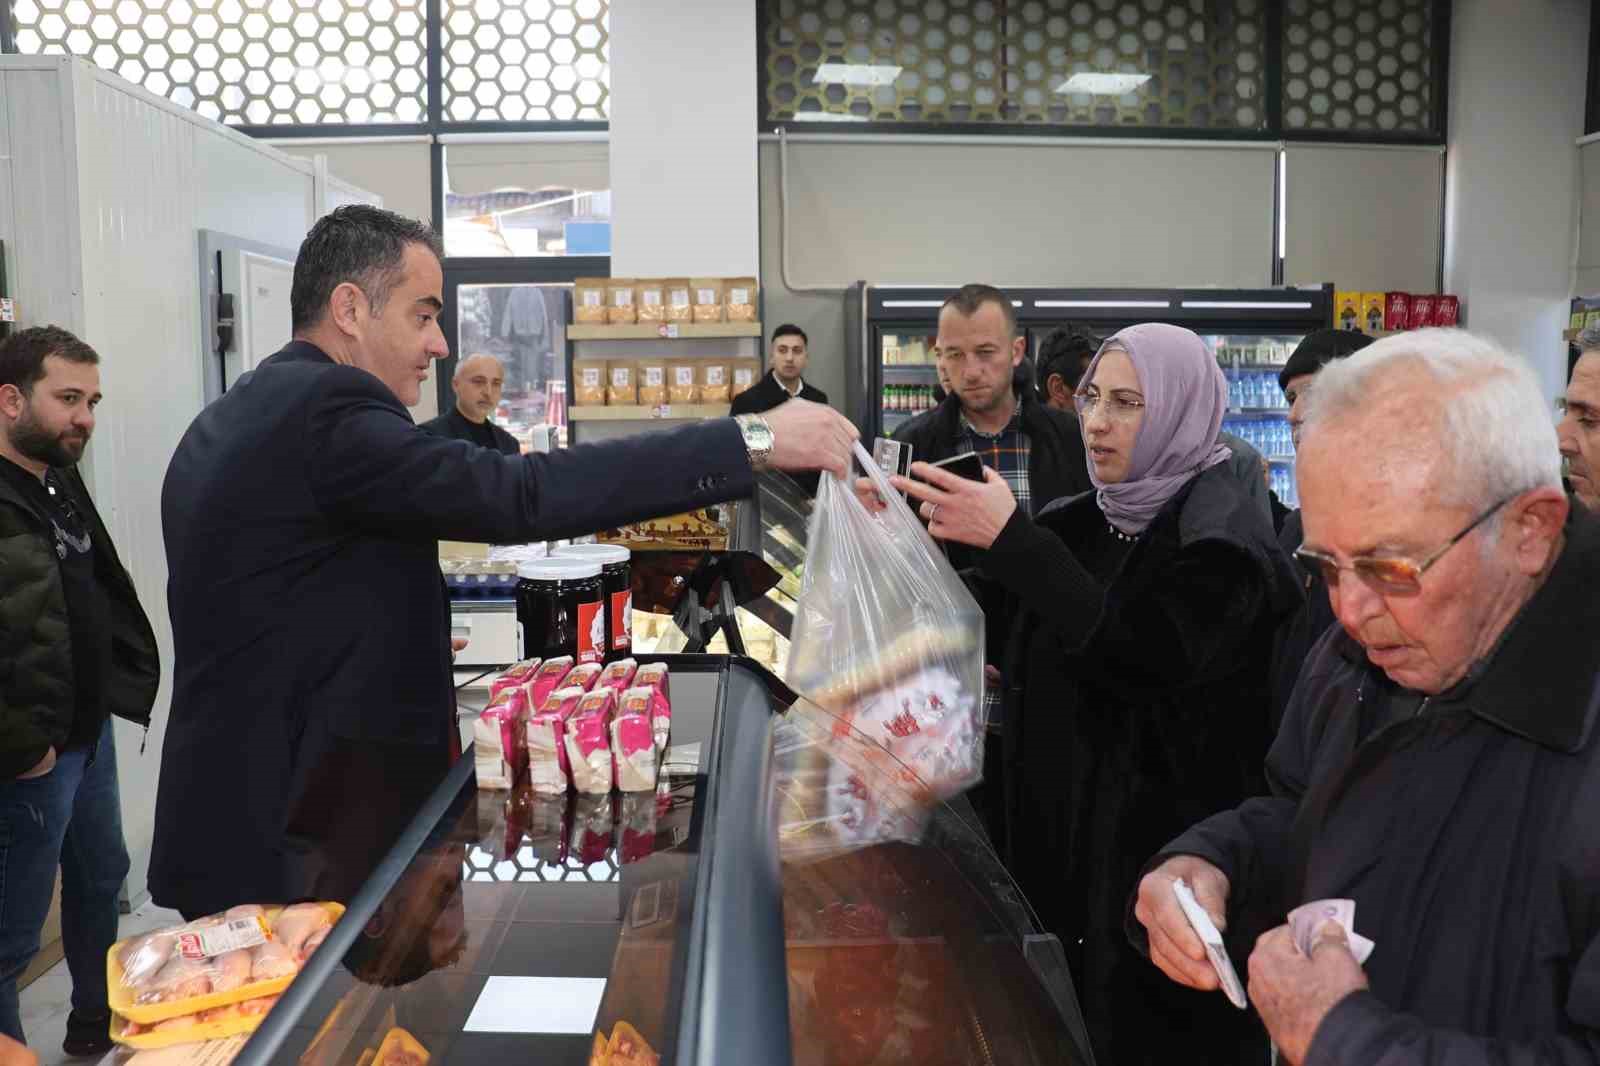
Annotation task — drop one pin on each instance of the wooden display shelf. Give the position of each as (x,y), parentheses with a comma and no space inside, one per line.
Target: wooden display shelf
(641,413)
(652,331)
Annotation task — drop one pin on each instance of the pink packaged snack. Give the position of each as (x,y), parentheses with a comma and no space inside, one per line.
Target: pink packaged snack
(1421,312)
(547,679)
(515,676)
(633,745)
(1446,310)
(618,677)
(547,751)
(654,677)
(589,743)
(496,745)
(583,676)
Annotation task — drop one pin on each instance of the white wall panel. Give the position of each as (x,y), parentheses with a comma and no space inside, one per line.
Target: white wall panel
(1365,218)
(1589,220)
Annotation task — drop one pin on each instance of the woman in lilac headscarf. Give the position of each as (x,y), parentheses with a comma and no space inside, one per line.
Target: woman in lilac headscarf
(1137,681)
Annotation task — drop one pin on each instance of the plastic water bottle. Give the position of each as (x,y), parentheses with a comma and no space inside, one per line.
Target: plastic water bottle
(1235,392)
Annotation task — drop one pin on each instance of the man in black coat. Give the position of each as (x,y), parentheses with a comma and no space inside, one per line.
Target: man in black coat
(1439,764)
(311,624)
(477,384)
(786,378)
(993,410)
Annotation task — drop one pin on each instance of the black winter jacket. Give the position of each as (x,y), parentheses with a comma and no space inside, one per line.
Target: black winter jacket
(1467,833)
(1136,705)
(37,684)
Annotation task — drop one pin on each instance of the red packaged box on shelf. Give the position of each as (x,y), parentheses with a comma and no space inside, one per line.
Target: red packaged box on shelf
(1397,310)
(1421,312)
(1446,310)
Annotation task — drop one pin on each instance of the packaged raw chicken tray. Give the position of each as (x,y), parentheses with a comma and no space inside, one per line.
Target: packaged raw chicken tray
(218,1023)
(250,952)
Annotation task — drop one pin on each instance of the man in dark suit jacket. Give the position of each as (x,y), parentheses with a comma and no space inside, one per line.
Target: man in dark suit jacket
(785,380)
(310,622)
(477,384)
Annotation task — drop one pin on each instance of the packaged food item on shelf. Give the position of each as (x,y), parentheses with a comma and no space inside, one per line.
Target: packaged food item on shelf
(707,293)
(1421,312)
(496,739)
(516,675)
(652,384)
(624,388)
(1372,320)
(618,676)
(1397,310)
(633,744)
(248,952)
(740,299)
(744,379)
(547,679)
(1347,310)
(684,387)
(548,771)
(588,738)
(715,389)
(620,309)
(216,1024)
(589,390)
(654,680)
(652,300)
(584,675)
(589,301)
(680,300)
(1591,318)
(1446,310)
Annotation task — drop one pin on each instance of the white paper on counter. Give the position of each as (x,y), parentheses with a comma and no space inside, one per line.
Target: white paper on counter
(537,1005)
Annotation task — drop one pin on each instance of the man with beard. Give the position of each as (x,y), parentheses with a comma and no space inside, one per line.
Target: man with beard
(75,648)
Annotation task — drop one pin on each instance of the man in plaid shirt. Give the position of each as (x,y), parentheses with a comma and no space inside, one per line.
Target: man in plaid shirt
(991,411)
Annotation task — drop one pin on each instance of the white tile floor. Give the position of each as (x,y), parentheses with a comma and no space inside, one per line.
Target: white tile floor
(47,1002)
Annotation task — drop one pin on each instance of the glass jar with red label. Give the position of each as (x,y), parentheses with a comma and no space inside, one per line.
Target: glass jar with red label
(561,609)
(616,575)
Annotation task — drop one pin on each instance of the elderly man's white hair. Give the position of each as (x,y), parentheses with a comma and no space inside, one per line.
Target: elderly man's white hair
(1493,421)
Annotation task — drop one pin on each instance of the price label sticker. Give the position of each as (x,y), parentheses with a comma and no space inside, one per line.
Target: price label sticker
(217,940)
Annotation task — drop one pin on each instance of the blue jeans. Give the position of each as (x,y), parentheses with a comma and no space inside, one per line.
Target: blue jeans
(71,818)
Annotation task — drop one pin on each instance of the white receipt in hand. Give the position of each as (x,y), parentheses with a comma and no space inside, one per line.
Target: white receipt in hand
(1206,930)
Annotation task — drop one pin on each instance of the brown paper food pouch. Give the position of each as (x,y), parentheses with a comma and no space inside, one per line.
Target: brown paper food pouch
(650,297)
(680,300)
(716,385)
(684,386)
(589,385)
(623,389)
(589,301)
(652,383)
(744,379)
(707,296)
(740,298)
(620,308)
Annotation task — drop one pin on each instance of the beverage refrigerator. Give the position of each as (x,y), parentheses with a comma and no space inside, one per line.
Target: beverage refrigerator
(891,340)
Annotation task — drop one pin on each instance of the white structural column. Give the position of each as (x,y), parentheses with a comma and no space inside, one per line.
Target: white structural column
(1511,207)
(683,138)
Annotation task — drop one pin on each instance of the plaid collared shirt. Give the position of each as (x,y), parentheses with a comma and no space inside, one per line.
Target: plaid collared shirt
(1007,452)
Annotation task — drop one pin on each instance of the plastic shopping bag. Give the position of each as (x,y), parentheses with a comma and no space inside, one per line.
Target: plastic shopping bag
(887,648)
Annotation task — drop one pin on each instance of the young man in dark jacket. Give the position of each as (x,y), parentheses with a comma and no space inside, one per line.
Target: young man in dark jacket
(75,648)
(1035,447)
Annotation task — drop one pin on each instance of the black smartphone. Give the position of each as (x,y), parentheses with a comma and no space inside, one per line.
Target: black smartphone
(966,465)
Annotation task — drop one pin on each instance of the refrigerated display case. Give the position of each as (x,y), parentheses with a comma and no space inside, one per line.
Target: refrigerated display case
(891,337)
(507,927)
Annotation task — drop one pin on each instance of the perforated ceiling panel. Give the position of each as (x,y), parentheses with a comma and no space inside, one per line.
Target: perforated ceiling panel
(508,60)
(1358,65)
(250,62)
(1197,63)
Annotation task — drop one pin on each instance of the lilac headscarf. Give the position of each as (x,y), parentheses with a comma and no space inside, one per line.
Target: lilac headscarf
(1185,395)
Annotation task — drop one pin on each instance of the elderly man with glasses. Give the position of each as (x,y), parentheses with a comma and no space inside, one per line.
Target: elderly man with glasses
(1439,764)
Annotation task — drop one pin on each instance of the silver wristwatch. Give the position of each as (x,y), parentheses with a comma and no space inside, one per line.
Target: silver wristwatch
(758,440)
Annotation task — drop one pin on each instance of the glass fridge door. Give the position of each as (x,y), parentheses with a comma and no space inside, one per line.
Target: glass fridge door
(1257,410)
(907,373)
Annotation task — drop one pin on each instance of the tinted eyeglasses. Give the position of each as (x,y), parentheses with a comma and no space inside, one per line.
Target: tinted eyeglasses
(1393,575)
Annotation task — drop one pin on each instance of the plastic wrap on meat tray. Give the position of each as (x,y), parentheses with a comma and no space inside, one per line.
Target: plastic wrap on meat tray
(888,648)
